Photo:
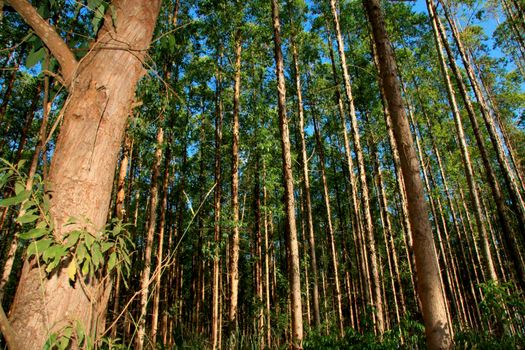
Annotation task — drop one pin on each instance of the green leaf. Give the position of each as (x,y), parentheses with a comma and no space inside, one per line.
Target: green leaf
(80,332)
(34,57)
(19,198)
(97,255)
(93,4)
(81,253)
(52,265)
(112,261)
(113,15)
(85,266)
(19,187)
(37,247)
(89,239)
(72,269)
(27,218)
(72,239)
(33,233)
(105,246)
(99,14)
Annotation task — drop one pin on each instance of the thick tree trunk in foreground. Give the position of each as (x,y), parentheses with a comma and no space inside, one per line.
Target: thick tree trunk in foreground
(437,327)
(294,273)
(80,182)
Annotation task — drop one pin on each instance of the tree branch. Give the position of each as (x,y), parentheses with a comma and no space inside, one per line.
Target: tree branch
(8,332)
(49,36)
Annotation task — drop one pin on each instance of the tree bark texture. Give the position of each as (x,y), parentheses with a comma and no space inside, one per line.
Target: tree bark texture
(95,116)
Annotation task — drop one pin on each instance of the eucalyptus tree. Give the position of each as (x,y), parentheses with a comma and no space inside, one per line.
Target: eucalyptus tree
(437,327)
(95,116)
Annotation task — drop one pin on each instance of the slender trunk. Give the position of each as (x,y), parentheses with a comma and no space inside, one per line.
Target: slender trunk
(266,263)
(331,238)
(234,241)
(258,256)
(494,136)
(437,327)
(160,248)
(467,163)
(362,266)
(289,201)
(120,212)
(369,231)
(217,212)
(496,192)
(152,222)
(306,187)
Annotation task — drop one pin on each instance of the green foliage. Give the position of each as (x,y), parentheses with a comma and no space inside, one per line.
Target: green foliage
(82,249)
(503,309)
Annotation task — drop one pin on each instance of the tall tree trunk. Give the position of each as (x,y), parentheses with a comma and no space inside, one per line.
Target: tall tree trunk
(120,212)
(494,136)
(331,238)
(234,241)
(495,189)
(217,211)
(152,222)
(160,248)
(362,265)
(369,227)
(95,116)
(437,327)
(467,163)
(266,263)
(306,187)
(294,274)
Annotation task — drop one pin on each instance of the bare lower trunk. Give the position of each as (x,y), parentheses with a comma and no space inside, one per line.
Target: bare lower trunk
(369,230)
(80,182)
(306,185)
(294,274)
(152,222)
(160,248)
(217,213)
(234,241)
(331,238)
(437,327)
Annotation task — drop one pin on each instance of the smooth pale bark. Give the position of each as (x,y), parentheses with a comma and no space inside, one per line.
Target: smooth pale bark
(362,265)
(465,155)
(369,227)
(160,247)
(508,173)
(234,239)
(152,224)
(120,212)
(266,262)
(306,188)
(430,289)
(294,273)
(217,211)
(508,239)
(330,231)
